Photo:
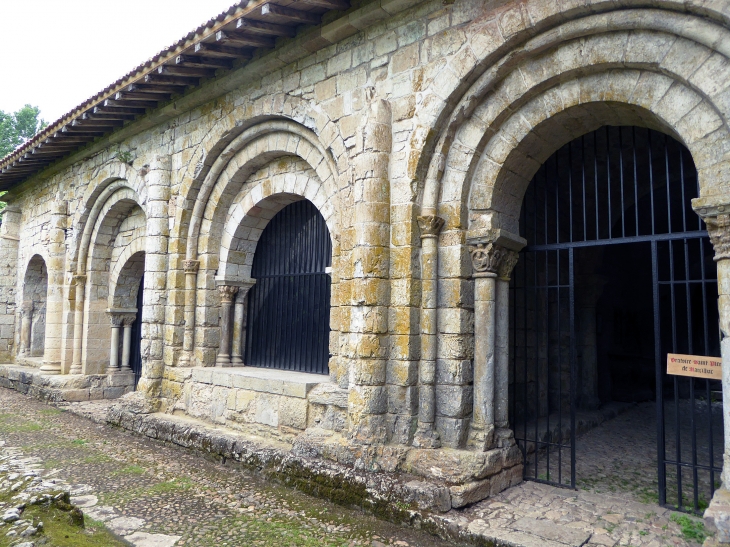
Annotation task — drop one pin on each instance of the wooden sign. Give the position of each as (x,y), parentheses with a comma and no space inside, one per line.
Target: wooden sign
(694,365)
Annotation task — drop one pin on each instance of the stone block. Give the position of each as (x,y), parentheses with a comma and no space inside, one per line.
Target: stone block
(453,431)
(402,399)
(466,494)
(120,379)
(293,412)
(75,395)
(114,392)
(454,401)
(428,496)
(204,375)
(267,409)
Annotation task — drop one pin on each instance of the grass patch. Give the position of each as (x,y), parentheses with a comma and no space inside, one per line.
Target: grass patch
(79,442)
(50,411)
(182,483)
(692,529)
(130,470)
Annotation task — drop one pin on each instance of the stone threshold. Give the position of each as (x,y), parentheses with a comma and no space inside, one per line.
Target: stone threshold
(264,380)
(65,387)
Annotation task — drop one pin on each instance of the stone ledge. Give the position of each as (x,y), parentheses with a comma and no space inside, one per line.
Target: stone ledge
(264,380)
(65,387)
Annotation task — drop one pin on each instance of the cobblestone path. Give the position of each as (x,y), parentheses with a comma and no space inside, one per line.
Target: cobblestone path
(142,487)
(616,501)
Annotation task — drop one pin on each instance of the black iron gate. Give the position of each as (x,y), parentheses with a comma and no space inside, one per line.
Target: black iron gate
(617,273)
(135,355)
(289,306)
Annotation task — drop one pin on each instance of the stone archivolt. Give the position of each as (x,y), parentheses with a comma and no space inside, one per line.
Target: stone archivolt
(415,161)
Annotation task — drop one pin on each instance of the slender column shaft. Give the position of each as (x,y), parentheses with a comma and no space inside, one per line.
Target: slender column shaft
(191,277)
(26,313)
(227,293)
(80,281)
(114,350)
(426,435)
(501,370)
(126,347)
(238,313)
(484,339)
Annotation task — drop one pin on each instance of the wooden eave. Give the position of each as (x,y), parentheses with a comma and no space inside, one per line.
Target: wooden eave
(225,43)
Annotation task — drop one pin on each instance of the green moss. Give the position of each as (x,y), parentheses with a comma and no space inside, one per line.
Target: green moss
(130,470)
(692,529)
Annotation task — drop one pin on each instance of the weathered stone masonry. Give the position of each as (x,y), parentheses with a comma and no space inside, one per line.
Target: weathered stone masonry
(414,127)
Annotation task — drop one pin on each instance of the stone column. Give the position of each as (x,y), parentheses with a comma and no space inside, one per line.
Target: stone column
(227,292)
(155,276)
(26,319)
(9,245)
(492,257)
(716,214)
(116,321)
(368,341)
(191,278)
(54,295)
(80,283)
(127,320)
(426,435)
(501,370)
(239,319)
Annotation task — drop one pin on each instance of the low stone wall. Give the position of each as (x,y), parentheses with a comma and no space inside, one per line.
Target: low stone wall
(69,388)
(245,397)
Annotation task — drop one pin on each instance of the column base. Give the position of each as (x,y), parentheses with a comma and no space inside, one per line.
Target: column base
(185,359)
(51,368)
(236,361)
(426,437)
(223,361)
(481,438)
(75,369)
(717,515)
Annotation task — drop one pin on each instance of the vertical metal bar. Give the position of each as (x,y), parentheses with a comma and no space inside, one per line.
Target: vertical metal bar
(608,184)
(571,282)
(708,393)
(636,180)
(547,355)
(583,174)
(678,440)
(661,457)
(666,173)
(524,399)
(651,182)
(537,368)
(595,181)
(684,194)
(621,178)
(560,383)
(690,346)
(570,187)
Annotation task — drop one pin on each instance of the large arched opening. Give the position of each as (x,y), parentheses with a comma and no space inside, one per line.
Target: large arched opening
(33,309)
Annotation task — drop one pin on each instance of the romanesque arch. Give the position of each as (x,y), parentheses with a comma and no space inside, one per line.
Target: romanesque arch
(33,308)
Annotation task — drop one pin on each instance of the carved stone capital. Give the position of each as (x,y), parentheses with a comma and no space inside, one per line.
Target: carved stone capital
(227,292)
(191,266)
(488,257)
(79,280)
(115,319)
(430,225)
(128,319)
(508,264)
(718,227)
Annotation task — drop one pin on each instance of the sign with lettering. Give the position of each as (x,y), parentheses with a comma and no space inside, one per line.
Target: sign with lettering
(694,365)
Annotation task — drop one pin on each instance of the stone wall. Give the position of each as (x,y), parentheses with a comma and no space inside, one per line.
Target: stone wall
(414,128)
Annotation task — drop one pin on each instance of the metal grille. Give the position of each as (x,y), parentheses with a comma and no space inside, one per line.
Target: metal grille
(289,306)
(608,219)
(135,355)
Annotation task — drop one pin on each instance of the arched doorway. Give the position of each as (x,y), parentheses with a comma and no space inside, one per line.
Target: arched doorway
(617,273)
(289,306)
(33,309)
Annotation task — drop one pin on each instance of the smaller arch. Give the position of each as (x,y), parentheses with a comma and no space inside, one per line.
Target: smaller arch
(125,276)
(33,308)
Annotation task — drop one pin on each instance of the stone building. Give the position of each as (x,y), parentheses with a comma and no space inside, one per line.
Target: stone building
(188,232)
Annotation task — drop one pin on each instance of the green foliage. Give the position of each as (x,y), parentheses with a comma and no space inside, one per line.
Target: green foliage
(18,127)
(692,529)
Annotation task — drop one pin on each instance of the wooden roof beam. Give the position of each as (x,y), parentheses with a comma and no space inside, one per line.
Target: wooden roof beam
(198,61)
(173,70)
(243,40)
(92,122)
(289,14)
(155,78)
(130,103)
(118,110)
(227,52)
(135,96)
(261,27)
(156,89)
(340,5)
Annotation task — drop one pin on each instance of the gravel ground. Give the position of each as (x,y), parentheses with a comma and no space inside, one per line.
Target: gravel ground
(141,487)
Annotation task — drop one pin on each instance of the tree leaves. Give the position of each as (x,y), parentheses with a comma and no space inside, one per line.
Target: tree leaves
(17,128)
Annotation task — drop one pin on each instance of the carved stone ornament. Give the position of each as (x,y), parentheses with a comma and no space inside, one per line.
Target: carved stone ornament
(719,230)
(191,266)
(128,318)
(487,257)
(116,319)
(508,264)
(430,225)
(26,309)
(228,292)
(79,280)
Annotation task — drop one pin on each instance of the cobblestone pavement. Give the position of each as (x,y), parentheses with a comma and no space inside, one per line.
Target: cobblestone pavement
(160,495)
(617,498)
(141,487)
